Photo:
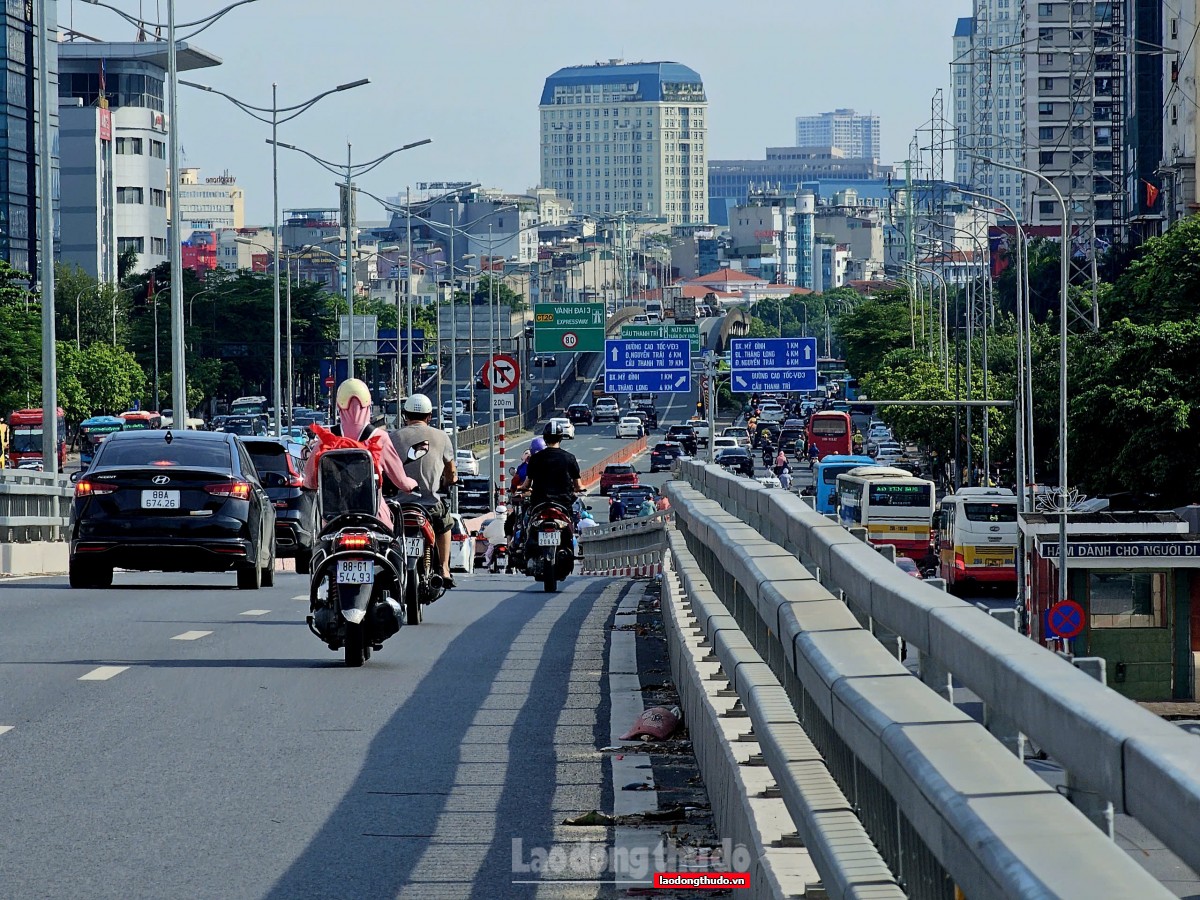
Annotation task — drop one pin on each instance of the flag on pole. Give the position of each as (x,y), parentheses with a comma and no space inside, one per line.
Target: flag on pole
(1151,194)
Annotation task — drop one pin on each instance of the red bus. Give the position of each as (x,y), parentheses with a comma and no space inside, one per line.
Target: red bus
(25,437)
(141,420)
(830,430)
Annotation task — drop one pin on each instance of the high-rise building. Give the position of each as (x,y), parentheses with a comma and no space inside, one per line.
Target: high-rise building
(621,137)
(117,195)
(209,204)
(20,120)
(986,71)
(1181,68)
(855,134)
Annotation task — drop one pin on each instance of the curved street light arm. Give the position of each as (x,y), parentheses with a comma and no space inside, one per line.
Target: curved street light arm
(203,23)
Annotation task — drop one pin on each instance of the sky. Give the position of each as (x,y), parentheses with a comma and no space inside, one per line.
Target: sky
(468,75)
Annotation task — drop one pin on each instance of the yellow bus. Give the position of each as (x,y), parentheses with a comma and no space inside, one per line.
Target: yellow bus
(977,537)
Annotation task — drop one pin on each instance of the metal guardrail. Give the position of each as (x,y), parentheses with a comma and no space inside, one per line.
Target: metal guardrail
(944,802)
(33,507)
(631,547)
(1109,746)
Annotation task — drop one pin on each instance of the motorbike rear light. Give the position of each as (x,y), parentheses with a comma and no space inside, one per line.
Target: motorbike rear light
(353,542)
(238,490)
(91,488)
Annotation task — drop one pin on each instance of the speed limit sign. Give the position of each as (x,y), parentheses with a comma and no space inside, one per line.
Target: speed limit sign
(570,339)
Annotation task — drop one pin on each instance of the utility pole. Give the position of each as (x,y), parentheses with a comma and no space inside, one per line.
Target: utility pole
(46,248)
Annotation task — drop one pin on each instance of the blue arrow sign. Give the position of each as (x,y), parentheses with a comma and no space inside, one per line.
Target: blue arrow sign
(773,364)
(649,366)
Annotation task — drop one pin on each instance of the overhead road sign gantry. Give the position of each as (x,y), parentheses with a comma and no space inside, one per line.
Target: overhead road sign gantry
(568,327)
(647,367)
(773,364)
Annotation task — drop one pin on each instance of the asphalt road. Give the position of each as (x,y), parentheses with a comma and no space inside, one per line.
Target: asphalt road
(175,737)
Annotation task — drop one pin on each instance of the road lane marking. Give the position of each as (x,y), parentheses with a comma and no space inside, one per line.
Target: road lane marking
(301,597)
(103,673)
(6,728)
(191,635)
(256,612)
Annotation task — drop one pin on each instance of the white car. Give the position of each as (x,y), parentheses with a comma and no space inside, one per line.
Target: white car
(701,426)
(630,427)
(737,431)
(452,408)
(770,412)
(721,443)
(462,546)
(466,463)
(565,426)
(606,408)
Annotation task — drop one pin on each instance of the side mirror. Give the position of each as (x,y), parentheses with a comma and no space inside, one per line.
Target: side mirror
(75,476)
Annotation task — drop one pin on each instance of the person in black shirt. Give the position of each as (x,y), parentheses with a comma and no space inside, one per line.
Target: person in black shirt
(553,473)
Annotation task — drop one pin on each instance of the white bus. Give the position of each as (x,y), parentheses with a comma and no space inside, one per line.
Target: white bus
(893,505)
(977,537)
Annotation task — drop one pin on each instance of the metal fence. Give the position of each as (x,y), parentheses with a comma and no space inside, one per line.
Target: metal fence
(1109,746)
(33,507)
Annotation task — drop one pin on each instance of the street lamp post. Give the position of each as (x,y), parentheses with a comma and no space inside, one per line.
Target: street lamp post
(46,249)
(271,115)
(1063,310)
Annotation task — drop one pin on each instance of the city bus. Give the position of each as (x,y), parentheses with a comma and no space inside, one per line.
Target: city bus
(141,420)
(94,430)
(825,478)
(25,438)
(977,537)
(894,506)
(830,430)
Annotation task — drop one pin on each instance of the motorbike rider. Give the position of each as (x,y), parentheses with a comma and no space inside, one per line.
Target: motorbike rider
(432,470)
(354,429)
(553,474)
(495,533)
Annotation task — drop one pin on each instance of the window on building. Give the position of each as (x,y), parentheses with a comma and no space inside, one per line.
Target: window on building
(1045,9)
(130,195)
(1045,133)
(1046,158)
(128,146)
(137,244)
(1045,84)
(158,246)
(1046,207)
(157,197)
(1045,109)
(158,149)
(1127,599)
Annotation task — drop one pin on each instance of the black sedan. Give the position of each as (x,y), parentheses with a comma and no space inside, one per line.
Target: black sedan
(685,435)
(295,507)
(171,501)
(736,459)
(663,456)
(580,414)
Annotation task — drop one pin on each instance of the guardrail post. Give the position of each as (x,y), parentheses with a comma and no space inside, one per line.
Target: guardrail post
(929,670)
(809,500)
(1091,804)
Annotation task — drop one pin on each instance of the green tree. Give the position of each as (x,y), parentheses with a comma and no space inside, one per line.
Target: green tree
(1163,285)
(872,329)
(20,341)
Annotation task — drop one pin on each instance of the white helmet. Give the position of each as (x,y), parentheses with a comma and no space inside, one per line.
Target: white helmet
(501,509)
(418,405)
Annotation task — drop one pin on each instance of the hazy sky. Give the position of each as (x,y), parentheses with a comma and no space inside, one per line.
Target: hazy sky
(468,74)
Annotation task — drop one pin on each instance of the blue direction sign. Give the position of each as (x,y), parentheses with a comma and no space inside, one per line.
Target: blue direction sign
(773,364)
(647,366)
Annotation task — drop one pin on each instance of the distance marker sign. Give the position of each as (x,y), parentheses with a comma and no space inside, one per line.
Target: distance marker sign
(647,367)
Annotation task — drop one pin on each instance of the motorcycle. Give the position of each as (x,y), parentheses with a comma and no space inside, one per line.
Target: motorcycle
(499,558)
(356,575)
(550,554)
(423,579)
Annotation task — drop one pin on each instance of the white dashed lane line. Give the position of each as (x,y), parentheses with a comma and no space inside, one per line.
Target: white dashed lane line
(103,673)
(191,635)
(300,597)
(256,612)
(4,728)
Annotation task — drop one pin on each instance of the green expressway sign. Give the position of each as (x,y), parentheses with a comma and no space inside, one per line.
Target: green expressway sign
(568,327)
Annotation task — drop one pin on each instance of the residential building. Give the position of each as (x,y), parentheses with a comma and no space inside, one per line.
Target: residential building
(857,135)
(1181,126)
(212,204)
(860,228)
(772,237)
(621,137)
(234,254)
(20,121)
(126,79)
(486,223)
(823,171)
(199,252)
(986,99)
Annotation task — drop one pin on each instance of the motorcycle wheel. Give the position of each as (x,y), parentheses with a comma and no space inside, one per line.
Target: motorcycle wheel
(357,648)
(550,585)
(412,599)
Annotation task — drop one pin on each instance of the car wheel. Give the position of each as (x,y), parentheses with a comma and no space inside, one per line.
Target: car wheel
(268,572)
(249,578)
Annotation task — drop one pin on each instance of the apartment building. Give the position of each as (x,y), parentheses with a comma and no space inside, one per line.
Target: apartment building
(621,137)
(771,236)
(855,134)
(211,203)
(1181,126)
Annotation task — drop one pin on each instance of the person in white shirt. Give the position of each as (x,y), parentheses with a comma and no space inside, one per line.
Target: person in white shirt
(493,533)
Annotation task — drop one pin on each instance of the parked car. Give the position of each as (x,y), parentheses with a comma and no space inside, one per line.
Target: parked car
(545,359)
(580,414)
(466,463)
(630,427)
(279,470)
(615,474)
(474,493)
(663,456)
(171,501)
(462,546)
(606,409)
(736,459)
(565,426)
(685,435)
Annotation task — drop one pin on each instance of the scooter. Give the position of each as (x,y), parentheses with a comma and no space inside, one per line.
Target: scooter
(551,554)
(499,558)
(356,575)
(423,579)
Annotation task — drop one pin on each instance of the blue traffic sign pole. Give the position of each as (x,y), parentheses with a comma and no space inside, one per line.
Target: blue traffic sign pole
(649,366)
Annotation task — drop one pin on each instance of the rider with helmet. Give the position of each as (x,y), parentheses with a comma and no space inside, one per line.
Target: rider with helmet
(353,430)
(429,459)
(553,474)
(495,532)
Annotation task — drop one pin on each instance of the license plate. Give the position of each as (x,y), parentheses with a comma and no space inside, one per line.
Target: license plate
(355,571)
(160,499)
(548,539)
(414,546)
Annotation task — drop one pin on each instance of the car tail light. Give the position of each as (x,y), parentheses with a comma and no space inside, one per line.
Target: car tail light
(238,490)
(458,537)
(91,488)
(353,542)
